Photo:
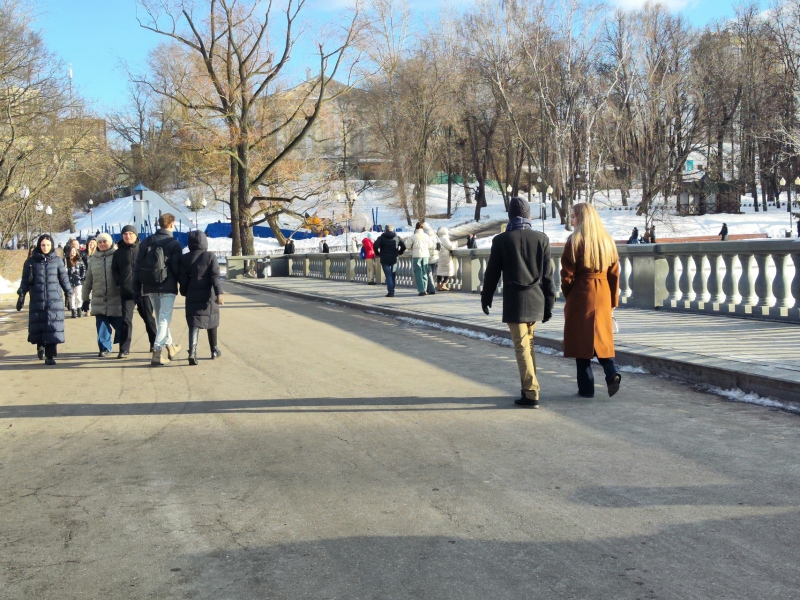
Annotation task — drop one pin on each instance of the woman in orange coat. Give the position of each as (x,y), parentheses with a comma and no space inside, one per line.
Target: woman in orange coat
(590,284)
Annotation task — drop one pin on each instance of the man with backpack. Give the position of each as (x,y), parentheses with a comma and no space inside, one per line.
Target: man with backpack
(388,247)
(156,274)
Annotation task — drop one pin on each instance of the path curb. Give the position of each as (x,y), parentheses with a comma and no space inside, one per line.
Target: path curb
(685,370)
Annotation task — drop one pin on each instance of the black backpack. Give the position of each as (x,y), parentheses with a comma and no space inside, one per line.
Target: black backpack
(152,268)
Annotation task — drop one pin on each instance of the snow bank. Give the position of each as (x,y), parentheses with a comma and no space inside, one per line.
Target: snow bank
(8,287)
(737,395)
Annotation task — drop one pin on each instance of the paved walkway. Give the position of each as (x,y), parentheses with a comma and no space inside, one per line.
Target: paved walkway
(335,454)
(756,356)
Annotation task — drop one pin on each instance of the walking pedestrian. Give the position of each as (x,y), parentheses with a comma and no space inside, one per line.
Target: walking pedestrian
(289,247)
(44,276)
(77,273)
(388,247)
(522,257)
(122,266)
(472,241)
(420,244)
(325,248)
(156,274)
(590,284)
(433,259)
(102,295)
(446,268)
(368,254)
(199,284)
(652,234)
(723,233)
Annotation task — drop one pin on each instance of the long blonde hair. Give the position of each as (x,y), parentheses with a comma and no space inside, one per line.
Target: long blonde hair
(599,249)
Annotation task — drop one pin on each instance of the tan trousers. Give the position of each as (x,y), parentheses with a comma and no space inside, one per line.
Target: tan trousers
(522,335)
(371,270)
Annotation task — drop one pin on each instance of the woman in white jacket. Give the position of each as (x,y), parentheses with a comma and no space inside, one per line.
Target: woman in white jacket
(446,269)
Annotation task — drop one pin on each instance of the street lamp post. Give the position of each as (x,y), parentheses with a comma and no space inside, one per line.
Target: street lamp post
(91,216)
(49,212)
(39,209)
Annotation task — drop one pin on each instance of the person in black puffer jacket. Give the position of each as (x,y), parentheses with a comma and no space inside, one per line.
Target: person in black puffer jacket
(44,276)
(199,283)
(122,265)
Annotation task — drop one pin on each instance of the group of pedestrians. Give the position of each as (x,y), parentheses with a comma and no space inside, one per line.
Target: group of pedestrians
(114,281)
(589,282)
(649,236)
(431,257)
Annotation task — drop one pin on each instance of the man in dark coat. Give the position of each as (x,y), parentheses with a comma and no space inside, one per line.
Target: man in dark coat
(289,247)
(162,295)
(122,265)
(522,257)
(723,233)
(199,283)
(44,276)
(387,248)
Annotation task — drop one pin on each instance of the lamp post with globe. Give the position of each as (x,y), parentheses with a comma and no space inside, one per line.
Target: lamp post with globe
(24,193)
(49,212)
(195,207)
(91,216)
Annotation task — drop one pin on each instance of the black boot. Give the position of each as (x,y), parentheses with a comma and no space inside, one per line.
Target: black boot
(80,313)
(40,351)
(193,335)
(74,314)
(215,353)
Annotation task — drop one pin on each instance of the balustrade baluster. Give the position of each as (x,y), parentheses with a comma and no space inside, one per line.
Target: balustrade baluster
(730,282)
(481,273)
(625,290)
(685,283)
(700,280)
(796,279)
(716,295)
(747,283)
(780,285)
(673,279)
(556,263)
(763,285)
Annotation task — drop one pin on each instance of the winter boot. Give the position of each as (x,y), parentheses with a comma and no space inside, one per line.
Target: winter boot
(50,360)
(74,314)
(172,351)
(215,353)
(40,352)
(158,359)
(193,335)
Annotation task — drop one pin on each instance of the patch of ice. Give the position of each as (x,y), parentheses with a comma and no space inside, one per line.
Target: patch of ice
(737,395)
(630,369)
(547,350)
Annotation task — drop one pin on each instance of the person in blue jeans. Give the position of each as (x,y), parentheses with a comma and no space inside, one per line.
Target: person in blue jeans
(102,294)
(388,247)
(162,288)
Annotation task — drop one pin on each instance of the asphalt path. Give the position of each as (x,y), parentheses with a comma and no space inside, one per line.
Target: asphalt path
(335,454)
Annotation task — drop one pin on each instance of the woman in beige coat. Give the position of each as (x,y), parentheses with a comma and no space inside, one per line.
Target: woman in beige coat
(106,303)
(590,284)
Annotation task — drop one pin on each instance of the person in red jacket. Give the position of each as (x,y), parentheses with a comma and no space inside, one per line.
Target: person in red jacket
(368,252)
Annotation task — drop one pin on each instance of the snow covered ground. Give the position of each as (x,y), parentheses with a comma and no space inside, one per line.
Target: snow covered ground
(8,287)
(618,220)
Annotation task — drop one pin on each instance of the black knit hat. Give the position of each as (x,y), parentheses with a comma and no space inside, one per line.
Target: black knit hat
(129,229)
(517,207)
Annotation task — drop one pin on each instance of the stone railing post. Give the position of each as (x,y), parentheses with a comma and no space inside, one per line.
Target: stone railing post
(625,290)
(700,280)
(306,265)
(763,285)
(470,266)
(648,277)
(351,267)
(730,282)
(716,296)
(326,266)
(685,283)
(780,285)
(673,280)
(795,255)
(747,284)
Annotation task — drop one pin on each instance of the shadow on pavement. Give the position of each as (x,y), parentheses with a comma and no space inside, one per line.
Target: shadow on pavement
(706,559)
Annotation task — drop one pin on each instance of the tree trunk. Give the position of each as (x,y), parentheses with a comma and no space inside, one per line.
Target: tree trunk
(236,240)
(276,229)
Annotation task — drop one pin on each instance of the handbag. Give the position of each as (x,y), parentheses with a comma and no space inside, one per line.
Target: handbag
(614,324)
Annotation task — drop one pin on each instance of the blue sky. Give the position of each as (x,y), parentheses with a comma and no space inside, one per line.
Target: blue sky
(97,35)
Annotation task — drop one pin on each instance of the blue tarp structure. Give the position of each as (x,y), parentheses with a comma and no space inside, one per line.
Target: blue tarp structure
(223,230)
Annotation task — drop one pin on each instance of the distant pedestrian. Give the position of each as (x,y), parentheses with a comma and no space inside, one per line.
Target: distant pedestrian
(723,233)
(590,284)
(433,259)
(368,254)
(77,273)
(521,256)
(289,247)
(91,248)
(446,269)
(472,241)
(199,283)
(420,245)
(798,228)
(106,304)
(634,239)
(388,247)
(325,248)
(44,276)
(652,234)
(156,274)
(353,245)
(122,267)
